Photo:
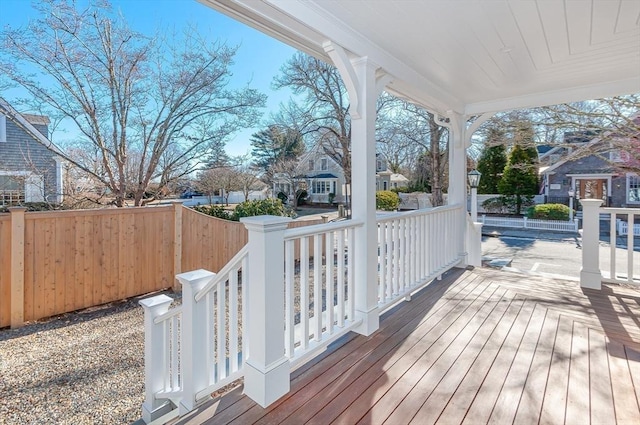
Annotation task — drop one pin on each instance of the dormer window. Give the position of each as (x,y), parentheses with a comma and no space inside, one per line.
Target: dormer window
(323,164)
(311,165)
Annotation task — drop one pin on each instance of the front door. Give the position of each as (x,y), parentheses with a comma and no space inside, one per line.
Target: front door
(592,189)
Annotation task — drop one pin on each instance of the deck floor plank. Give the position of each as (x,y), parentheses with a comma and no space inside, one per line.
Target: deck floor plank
(479,346)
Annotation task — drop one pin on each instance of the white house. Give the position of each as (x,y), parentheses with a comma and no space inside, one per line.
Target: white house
(321,175)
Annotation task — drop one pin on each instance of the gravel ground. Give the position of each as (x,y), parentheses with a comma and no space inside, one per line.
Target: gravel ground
(79,368)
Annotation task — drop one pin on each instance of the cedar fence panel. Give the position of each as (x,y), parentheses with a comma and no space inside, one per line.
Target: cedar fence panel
(62,261)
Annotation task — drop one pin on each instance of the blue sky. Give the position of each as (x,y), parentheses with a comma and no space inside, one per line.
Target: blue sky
(257,61)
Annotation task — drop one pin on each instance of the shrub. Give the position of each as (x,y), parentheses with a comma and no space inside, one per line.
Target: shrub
(387,200)
(214,211)
(332,198)
(268,206)
(549,212)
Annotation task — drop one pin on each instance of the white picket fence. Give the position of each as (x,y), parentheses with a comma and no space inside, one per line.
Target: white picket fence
(287,291)
(529,223)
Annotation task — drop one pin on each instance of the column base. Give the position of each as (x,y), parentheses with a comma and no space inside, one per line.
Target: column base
(150,414)
(591,279)
(265,387)
(370,322)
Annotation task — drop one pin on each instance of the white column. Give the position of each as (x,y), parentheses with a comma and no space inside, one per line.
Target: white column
(154,374)
(193,338)
(458,178)
(266,369)
(363,177)
(590,275)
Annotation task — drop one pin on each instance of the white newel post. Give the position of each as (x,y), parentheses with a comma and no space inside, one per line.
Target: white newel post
(590,275)
(267,370)
(154,354)
(193,347)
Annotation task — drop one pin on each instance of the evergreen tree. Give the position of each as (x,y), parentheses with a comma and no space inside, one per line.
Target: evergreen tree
(520,178)
(492,161)
(274,145)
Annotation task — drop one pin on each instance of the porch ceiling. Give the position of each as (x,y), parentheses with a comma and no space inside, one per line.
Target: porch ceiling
(467,55)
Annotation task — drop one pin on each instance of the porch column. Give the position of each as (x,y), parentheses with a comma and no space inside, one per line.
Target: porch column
(458,178)
(590,275)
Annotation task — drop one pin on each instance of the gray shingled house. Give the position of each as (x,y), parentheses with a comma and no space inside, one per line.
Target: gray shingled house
(31,166)
(587,170)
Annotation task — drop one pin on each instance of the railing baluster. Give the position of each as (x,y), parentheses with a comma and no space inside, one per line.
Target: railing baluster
(289,258)
(233,320)
(317,286)
(350,283)
(222,351)
(341,288)
(211,336)
(175,376)
(245,304)
(329,280)
(382,266)
(612,245)
(304,292)
(630,236)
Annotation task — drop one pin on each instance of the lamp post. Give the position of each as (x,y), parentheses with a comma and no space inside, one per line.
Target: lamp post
(474,181)
(571,193)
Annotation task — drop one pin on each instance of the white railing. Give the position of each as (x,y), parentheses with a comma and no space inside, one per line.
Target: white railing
(624,260)
(319,291)
(623,228)
(530,223)
(197,347)
(414,248)
(288,294)
(622,265)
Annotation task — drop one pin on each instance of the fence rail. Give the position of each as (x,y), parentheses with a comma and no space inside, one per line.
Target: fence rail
(527,223)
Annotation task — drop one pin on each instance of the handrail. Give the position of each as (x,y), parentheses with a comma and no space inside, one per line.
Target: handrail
(417,213)
(221,276)
(300,232)
(168,315)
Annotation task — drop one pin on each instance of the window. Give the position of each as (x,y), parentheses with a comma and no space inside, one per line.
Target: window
(384,185)
(3,128)
(323,164)
(633,189)
(12,190)
(311,165)
(323,186)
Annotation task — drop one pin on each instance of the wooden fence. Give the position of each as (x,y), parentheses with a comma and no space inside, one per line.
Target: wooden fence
(56,262)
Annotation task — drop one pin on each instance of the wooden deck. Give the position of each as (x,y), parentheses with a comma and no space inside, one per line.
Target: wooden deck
(479,346)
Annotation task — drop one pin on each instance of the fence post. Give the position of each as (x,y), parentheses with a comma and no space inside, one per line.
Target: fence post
(154,374)
(193,340)
(267,370)
(575,224)
(590,275)
(484,218)
(177,242)
(17,266)
(525,221)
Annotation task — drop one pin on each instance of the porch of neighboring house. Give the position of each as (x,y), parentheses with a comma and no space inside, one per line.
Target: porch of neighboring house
(477,346)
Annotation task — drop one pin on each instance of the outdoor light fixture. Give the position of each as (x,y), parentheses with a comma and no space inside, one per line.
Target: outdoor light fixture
(474,181)
(474,178)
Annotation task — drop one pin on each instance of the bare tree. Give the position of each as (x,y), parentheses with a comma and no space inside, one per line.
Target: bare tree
(288,171)
(151,111)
